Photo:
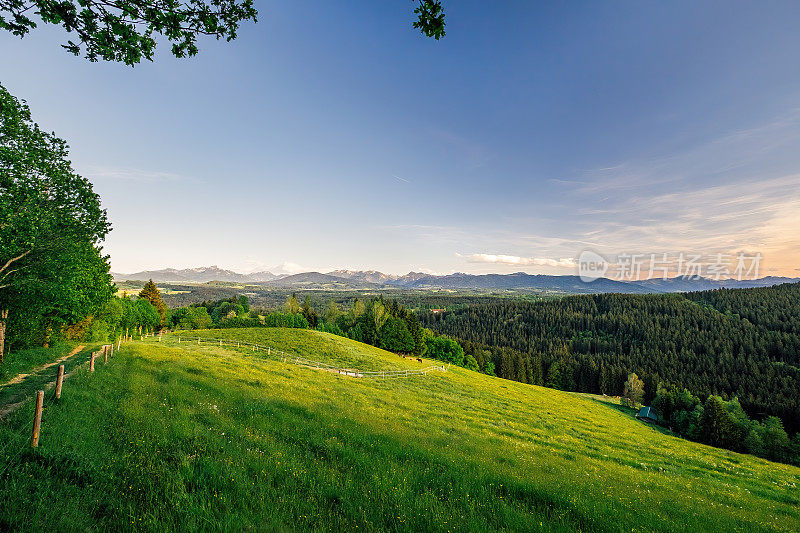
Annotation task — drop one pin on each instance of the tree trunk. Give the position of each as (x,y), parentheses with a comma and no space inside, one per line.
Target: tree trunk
(3,318)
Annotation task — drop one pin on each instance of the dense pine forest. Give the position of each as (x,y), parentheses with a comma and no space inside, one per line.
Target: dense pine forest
(742,343)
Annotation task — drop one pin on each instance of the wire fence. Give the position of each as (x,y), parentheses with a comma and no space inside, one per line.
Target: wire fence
(20,440)
(285,357)
(14,446)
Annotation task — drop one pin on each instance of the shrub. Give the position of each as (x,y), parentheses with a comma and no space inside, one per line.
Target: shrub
(286,320)
(470,363)
(395,337)
(444,349)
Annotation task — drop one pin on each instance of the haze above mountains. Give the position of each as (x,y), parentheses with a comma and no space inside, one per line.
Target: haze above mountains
(372,279)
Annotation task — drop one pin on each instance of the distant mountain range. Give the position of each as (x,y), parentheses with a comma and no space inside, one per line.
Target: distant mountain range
(372,279)
(196,275)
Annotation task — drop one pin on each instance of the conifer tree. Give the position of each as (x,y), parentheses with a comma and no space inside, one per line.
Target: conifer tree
(309,314)
(332,313)
(292,305)
(553,376)
(717,423)
(151,293)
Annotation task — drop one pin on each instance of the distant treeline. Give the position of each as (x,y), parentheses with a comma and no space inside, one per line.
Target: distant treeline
(376,321)
(270,298)
(742,343)
(725,424)
(121,316)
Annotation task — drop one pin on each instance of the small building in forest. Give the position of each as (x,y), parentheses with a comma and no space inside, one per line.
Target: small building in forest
(647,414)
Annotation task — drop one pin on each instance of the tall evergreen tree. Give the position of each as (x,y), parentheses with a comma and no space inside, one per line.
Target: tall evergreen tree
(151,293)
(553,376)
(309,314)
(717,423)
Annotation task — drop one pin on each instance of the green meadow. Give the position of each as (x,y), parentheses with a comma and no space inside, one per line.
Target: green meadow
(172,436)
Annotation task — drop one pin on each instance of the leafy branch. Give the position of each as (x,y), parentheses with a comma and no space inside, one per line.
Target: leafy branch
(126,30)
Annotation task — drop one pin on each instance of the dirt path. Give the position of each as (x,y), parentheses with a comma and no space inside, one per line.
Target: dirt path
(21,377)
(9,408)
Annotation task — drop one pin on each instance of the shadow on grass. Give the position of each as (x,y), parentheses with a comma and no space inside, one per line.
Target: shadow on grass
(25,389)
(631,412)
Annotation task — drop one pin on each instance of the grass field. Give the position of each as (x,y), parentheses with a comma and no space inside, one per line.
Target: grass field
(23,361)
(192,437)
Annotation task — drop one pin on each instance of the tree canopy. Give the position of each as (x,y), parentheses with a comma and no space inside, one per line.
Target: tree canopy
(52,270)
(127,30)
(727,342)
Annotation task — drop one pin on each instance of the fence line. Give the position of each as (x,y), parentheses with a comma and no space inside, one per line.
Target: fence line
(294,359)
(106,350)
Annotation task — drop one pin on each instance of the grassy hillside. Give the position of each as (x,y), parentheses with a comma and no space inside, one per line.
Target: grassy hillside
(172,436)
(23,361)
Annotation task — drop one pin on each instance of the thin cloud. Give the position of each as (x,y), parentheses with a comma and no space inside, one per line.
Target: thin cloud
(741,155)
(519,261)
(131,174)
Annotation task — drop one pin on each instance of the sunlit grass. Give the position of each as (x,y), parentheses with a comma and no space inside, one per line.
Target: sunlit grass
(310,344)
(175,436)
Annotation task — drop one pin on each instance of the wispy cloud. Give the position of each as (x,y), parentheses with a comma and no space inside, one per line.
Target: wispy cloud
(762,215)
(289,268)
(130,174)
(251,265)
(742,155)
(740,191)
(519,261)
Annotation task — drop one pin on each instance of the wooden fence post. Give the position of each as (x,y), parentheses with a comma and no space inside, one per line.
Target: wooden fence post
(111,350)
(37,419)
(59,381)
(105,355)
(91,362)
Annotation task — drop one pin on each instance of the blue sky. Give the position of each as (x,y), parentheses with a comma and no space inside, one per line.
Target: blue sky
(333,135)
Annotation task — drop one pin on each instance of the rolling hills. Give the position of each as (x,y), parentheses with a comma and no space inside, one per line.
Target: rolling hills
(181,436)
(731,342)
